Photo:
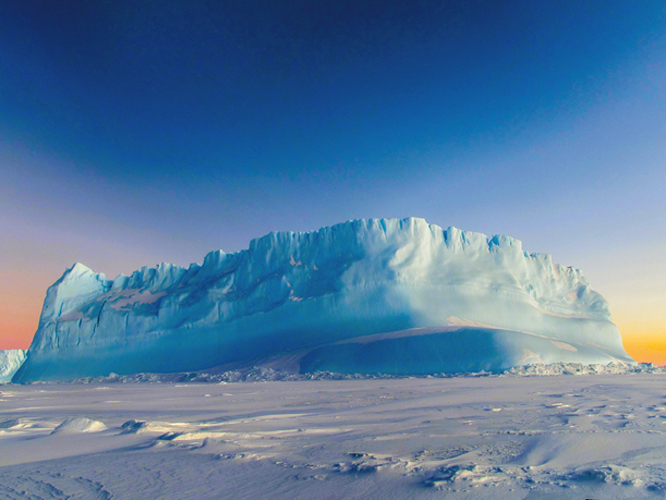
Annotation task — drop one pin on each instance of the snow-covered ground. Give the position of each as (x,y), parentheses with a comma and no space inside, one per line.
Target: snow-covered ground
(555,437)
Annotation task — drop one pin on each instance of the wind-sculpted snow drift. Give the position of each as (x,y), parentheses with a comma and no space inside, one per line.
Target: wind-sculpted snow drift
(365,296)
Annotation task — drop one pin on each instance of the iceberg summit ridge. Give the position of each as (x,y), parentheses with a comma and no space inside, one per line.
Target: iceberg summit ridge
(366,296)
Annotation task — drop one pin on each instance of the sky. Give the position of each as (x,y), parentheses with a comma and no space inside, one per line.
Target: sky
(133,133)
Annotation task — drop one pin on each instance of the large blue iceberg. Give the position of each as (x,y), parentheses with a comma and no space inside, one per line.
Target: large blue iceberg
(366,296)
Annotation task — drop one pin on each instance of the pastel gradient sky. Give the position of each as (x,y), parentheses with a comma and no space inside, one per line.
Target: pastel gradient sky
(133,133)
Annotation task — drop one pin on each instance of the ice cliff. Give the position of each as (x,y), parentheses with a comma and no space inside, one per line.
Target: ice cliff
(367,296)
(10,362)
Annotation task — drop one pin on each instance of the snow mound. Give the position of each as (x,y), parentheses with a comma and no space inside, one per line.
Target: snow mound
(610,474)
(15,423)
(133,426)
(365,296)
(80,424)
(10,362)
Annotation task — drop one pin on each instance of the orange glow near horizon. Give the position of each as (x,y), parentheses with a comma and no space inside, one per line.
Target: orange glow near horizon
(19,316)
(20,306)
(647,349)
(641,320)
(645,345)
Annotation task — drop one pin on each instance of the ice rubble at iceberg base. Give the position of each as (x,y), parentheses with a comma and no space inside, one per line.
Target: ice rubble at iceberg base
(366,296)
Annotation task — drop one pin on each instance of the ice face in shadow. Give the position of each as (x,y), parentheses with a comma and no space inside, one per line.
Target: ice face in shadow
(301,292)
(445,350)
(10,361)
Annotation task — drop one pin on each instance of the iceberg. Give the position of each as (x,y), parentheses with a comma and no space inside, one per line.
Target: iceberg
(365,296)
(10,361)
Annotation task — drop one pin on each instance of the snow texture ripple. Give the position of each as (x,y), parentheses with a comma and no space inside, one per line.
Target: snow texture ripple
(462,438)
(366,296)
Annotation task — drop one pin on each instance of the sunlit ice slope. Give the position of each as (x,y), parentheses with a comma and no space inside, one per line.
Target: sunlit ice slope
(363,296)
(10,361)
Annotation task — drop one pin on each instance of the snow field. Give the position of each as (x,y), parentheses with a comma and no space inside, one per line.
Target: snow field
(561,437)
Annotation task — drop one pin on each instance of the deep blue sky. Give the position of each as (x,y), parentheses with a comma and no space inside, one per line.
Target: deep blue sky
(136,132)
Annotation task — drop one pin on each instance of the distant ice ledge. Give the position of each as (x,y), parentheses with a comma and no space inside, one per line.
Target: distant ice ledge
(10,361)
(263,374)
